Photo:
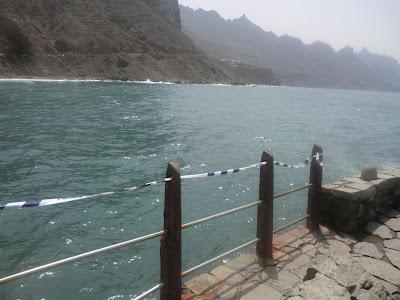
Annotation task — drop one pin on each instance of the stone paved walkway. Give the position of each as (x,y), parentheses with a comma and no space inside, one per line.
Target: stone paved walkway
(324,265)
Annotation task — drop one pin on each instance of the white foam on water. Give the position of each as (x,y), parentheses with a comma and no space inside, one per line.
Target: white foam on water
(221,84)
(51,80)
(148,81)
(130,117)
(46,274)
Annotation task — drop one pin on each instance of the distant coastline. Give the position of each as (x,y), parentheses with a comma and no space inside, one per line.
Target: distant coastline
(151,82)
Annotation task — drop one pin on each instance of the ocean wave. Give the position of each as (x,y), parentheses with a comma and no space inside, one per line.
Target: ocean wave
(50,80)
(148,81)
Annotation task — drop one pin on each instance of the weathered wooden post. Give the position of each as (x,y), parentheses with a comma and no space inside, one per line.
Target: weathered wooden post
(314,199)
(170,249)
(265,211)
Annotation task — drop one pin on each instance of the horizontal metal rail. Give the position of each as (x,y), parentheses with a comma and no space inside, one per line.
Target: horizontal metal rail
(231,211)
(290,224)
(292,191)
(191,270)
(79,257)
(153,235)
(150,291)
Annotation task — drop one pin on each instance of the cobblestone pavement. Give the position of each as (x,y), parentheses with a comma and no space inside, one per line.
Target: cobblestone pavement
(323,265)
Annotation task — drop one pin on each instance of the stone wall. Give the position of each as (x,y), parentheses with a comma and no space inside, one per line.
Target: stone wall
(348,204)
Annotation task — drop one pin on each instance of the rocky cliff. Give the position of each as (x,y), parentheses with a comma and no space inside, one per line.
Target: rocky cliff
(110,39)
(168,9)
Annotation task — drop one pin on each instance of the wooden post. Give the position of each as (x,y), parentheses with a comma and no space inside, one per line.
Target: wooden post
(265,211)
(170,249)
(314,199)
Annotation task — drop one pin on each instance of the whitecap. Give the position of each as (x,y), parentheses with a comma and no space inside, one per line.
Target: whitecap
(46,274)
(50,80)
(149,81)
(115,297)
(130,117)
(53,80)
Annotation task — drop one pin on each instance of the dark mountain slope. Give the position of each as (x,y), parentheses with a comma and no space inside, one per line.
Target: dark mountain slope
(115,39)
(101,39)
(293,62)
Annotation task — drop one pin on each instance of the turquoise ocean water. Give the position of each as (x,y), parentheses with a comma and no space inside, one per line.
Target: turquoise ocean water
(62,139)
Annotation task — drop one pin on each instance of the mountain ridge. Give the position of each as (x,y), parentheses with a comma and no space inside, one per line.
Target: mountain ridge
(292,61)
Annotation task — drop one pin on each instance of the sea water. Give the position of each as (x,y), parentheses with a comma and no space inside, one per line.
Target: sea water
(64,139)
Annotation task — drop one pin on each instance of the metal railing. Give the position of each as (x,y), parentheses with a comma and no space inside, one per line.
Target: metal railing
(191,270)
(170,237)
(79,257)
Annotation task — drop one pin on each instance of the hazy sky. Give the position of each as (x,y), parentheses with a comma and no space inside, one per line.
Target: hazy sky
(374,24)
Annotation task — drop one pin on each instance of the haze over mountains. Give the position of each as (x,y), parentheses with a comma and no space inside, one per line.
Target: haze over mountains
(293,62)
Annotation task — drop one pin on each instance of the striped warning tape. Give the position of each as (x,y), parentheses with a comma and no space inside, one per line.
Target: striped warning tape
(226,172)
(46,202)
(55,201)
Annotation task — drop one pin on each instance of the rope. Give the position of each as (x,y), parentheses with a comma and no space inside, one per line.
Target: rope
(45,202)
(55,201)
(221,173)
